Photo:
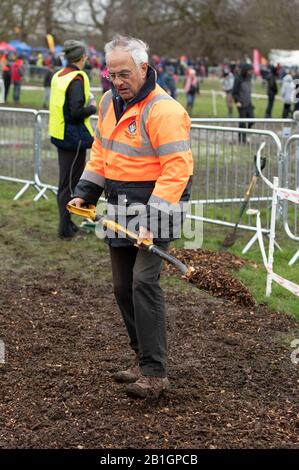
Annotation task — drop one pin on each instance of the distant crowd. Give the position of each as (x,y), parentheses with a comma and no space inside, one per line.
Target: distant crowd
(235,78)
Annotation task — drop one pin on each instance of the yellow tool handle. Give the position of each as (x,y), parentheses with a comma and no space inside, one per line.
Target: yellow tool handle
(117,228)
(90,212)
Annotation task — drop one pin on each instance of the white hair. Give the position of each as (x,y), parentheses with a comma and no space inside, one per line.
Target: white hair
(135,47)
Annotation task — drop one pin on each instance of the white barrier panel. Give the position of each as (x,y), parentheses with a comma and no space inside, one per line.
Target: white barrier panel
(283,193)
(224,165)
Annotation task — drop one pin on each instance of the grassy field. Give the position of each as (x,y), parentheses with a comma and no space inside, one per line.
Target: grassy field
(203,104)
(28,241)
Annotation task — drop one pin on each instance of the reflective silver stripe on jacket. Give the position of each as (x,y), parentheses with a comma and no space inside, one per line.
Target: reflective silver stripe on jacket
(172,147)
(149,151)
(144,117)
(105,104)
(93,177)
(97,134)
(162,205)
(126,149)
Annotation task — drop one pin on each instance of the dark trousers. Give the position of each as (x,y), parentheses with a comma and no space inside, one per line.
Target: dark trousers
(137,290)
(70,171)
(16,91)
(7,81)
(245,112)
(190,102)
(268,112)
(286,110)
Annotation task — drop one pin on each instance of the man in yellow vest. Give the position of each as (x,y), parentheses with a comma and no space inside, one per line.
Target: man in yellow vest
(69,127)
(141,157)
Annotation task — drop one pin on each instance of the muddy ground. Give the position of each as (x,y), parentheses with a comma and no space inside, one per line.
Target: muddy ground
(233,382)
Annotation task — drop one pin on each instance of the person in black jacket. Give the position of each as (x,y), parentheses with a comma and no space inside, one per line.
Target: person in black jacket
(242,97)
(77,138)
(271,90)
(47,84)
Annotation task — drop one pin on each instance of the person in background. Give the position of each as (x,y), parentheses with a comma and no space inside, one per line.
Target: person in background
(70,128)
(191,89)
(161,77)
(106,85)
(32,65)
(142,158)
(271,90)
(170,81)
(242,97)
(49,59)
(296,89)
(47,84)
(39,64)
(56,61)
(227,84)
(88,68)
(287,94)
(17,77)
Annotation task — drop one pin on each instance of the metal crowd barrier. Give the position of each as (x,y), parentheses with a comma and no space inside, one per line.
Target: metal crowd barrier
(284,128)
(46,164)
(224,163)
(291,181)
(18,152)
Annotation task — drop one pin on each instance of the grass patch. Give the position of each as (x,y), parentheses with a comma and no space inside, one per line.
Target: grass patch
(28,241)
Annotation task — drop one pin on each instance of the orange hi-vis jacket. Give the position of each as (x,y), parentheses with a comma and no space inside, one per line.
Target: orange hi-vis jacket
(145,155)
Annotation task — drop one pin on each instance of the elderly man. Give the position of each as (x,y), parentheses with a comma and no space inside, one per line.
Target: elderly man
(141,157)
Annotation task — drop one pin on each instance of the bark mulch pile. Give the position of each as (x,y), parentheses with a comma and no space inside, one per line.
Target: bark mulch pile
(233,384)
(212,274)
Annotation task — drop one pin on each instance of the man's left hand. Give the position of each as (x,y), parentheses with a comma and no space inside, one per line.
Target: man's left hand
(144,234)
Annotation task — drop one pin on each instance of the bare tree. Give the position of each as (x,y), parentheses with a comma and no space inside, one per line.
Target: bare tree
(213,28)
(17,19)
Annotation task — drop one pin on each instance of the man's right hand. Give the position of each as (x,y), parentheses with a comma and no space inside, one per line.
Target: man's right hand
(78,202)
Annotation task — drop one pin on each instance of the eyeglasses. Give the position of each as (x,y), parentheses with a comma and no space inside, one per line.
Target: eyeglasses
(122,75)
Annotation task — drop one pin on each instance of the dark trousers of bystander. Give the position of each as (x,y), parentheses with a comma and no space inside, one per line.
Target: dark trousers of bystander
(7,82)
(268,112)
(16,91)
(245,112)
(70,169)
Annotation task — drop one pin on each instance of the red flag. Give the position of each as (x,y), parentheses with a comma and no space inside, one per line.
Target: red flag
(256,62)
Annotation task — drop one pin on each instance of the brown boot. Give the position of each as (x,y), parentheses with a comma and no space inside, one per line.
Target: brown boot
(129,375)
(148,386)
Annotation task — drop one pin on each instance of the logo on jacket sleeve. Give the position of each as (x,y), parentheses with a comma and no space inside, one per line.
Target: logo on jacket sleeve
(132,127)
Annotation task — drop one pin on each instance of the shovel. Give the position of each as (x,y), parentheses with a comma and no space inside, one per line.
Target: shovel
(90,212)
(232,237)
(197,277)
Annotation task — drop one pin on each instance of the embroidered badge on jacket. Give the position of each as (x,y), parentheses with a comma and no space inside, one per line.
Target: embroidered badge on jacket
(132,127)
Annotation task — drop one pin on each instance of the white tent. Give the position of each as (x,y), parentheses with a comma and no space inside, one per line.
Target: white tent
(283,57)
